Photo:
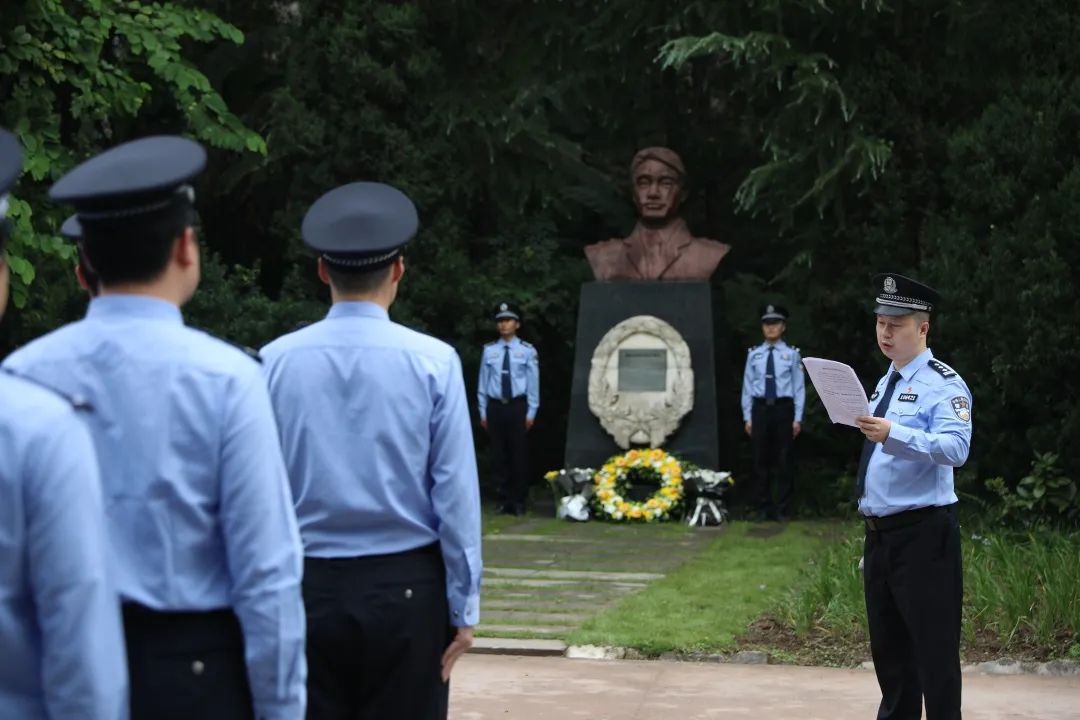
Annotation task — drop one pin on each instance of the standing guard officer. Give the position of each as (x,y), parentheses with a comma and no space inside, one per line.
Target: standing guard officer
(63,650)
(919,431)
(508,398)
(203,536)
(375,429)
(773,397)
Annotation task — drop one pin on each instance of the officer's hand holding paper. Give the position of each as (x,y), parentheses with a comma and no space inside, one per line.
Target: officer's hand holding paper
(839,389)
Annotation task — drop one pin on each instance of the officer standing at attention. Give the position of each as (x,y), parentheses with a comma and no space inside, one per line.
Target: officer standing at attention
(63,650)
(375,429)
(508,398)
(920,429)
(204,542)
(773,397)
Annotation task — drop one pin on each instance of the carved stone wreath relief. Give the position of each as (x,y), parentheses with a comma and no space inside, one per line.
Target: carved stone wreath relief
(641,384)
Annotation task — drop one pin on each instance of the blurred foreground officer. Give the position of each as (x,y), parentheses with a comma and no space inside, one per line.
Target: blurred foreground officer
(919,431)
(203,536)
(376,434)
(773,397)
(508,398)
(84,274)
(62,648)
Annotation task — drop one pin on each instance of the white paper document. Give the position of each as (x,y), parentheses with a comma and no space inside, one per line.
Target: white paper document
(839,389)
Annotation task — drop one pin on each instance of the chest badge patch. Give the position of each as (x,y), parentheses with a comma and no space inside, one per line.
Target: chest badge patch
(875,395)
(962,408)
(907,397)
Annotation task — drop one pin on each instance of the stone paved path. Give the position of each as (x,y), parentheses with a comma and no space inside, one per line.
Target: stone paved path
(544,578)
(486,687)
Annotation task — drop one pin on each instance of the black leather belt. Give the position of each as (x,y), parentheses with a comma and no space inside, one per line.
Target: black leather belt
(511,401)
(774,401)
(905,518)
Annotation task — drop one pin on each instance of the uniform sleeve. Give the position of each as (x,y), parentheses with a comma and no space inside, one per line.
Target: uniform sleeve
(263,548)
(533,388)
(798,386)
(84,671)
(747,389)
(481,387)
(946,440)
(455,496)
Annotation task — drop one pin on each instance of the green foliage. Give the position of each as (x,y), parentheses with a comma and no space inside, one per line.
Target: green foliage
(1019,594)
(1023,588)
(1045,495)
(76,77)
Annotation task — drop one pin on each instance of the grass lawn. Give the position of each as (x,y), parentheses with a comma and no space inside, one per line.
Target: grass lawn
(712,598)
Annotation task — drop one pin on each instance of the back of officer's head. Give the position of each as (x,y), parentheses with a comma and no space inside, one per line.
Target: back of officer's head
(360,231)
(348,282)
(134,251)
(135,206)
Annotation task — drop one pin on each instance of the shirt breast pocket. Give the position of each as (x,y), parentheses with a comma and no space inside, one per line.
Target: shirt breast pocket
(911,415)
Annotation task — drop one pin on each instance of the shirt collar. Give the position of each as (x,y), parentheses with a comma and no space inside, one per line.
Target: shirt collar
(780,344)
(915,365)
(357,309)
(134,306)
(512,342)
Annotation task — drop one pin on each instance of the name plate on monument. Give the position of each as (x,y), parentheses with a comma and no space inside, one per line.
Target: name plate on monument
(642,370)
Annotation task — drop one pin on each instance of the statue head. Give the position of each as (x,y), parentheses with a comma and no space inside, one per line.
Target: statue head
(659,183)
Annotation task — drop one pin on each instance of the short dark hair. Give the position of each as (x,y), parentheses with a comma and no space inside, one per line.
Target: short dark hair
(357,283)
(121,252)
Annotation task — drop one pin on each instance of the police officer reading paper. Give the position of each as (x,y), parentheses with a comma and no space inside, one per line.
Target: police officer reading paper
(773,397)
(919,430)
(63,650)
(203,538)
(508,398)
(376,433)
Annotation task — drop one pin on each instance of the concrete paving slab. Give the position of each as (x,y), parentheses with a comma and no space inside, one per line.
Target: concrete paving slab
(518,646)
(502,629)
(571,574)
(485,687)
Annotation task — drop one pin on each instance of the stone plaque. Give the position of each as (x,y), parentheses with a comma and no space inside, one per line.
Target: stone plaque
(645,405)
(642,370)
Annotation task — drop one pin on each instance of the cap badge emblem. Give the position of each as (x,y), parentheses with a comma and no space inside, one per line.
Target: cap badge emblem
(503,307)
(890,285)
(770,309)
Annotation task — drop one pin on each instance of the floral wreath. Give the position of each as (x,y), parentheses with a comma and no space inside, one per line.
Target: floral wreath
(612,482)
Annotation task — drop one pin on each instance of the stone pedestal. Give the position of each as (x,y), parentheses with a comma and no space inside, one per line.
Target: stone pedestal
(687,309)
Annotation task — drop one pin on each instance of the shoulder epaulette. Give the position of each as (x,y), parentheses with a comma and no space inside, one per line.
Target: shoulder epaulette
(942,369)
(527,345)
(79,404)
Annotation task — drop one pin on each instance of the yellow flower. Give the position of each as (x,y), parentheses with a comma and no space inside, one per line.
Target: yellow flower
(635,512)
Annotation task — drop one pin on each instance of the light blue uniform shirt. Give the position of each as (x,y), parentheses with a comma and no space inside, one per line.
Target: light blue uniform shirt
(196,495)
(61,645)
(378,442)
(790,382)
(524,375)
(930,435)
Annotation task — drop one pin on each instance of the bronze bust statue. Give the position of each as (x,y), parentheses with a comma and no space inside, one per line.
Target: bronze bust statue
(660,246)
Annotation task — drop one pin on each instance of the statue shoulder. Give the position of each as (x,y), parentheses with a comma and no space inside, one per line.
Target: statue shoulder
(603,246)
(710,245)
